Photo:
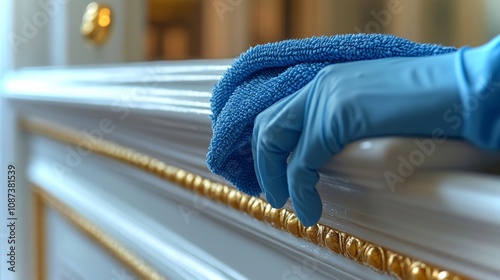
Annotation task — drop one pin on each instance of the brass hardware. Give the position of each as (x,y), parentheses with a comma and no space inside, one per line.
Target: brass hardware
(96,23)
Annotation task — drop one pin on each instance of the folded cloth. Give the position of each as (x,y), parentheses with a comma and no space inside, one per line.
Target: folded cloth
(267,73)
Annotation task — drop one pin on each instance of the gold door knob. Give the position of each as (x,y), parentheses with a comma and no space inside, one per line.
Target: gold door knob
(96,23)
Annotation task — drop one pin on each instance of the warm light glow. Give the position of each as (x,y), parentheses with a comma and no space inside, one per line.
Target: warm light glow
(104,20)
(104,12)
(92,8)
(88,27)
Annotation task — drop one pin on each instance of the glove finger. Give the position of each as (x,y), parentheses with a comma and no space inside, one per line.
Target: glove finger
(302,176)
(275,135)
(312,151)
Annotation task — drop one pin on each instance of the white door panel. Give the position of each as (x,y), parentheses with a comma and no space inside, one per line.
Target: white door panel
(125,44)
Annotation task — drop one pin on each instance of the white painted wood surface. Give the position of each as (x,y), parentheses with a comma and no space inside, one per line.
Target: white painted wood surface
(446,218)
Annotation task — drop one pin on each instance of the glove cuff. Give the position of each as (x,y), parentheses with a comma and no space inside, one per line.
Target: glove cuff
(478,77)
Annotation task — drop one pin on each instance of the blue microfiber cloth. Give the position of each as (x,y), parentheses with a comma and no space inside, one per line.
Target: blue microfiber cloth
(266,73)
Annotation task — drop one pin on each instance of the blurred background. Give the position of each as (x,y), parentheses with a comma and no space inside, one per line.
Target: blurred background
(192,29)
(179,29)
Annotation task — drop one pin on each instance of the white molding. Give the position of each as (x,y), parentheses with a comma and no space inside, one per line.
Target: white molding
(216,237)
(417,219)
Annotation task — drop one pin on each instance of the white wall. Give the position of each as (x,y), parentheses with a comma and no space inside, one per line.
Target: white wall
(493,20)
(31,32)
(6,128)
(30,53)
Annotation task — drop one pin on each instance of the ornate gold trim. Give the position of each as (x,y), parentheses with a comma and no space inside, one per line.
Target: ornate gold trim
(130,260)
(39,237)
(378,258)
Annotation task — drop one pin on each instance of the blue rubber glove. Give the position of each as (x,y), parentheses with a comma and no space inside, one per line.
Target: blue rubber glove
(349,101)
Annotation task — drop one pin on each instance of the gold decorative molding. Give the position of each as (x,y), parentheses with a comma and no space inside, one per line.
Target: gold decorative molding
(39,237)
(130,260)
(380,259)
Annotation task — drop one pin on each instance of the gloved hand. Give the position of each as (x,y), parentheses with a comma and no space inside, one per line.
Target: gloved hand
(349,101)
